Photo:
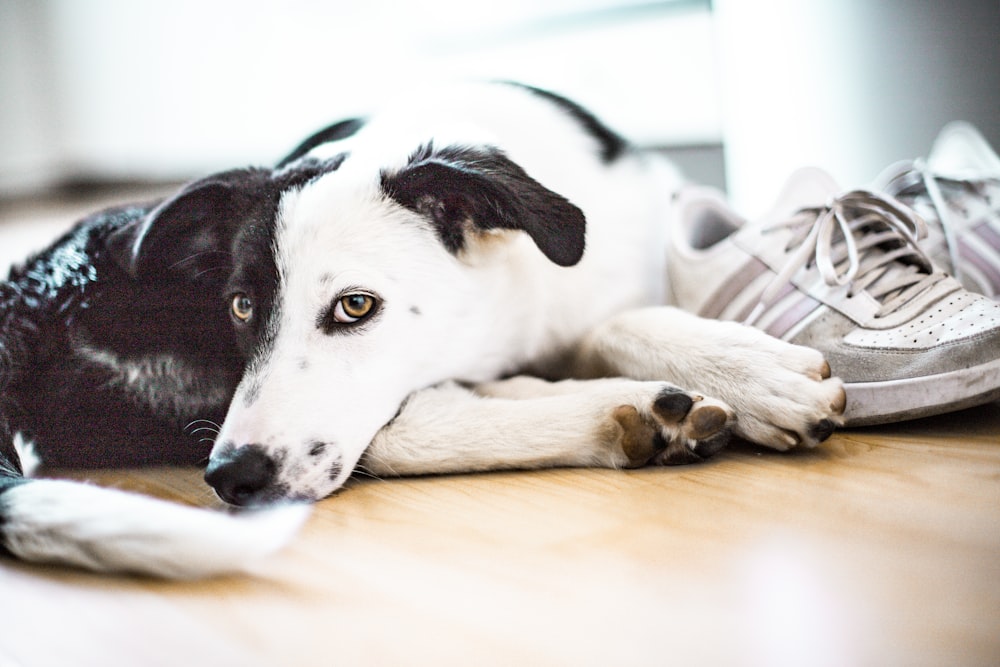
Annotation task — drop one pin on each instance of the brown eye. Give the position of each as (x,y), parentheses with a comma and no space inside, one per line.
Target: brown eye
(242,307)
(353,307)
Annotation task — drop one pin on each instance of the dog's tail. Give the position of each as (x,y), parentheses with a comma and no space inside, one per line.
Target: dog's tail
(106,530)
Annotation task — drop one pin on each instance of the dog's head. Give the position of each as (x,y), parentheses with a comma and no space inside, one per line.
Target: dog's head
(348,290)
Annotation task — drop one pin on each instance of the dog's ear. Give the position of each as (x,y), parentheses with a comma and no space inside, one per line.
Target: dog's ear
(187,233)
(192,232)
(462,189)
(335,132)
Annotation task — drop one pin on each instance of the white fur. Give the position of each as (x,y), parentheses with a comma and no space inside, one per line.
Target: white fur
(521,423)
(55,521)
(26,454)
(498,307)
(157,380)
(776,389)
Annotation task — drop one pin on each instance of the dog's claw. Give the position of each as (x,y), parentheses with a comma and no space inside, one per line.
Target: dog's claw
(840,403)
(821,431)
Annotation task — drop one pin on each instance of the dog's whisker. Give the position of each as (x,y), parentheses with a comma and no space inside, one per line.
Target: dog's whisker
(197,255)
(361,469)
(202,421)
(362,472)
(209,270)
(209,425)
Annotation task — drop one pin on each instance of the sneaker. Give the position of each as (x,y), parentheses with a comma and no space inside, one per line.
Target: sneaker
(957,191)
(842,273)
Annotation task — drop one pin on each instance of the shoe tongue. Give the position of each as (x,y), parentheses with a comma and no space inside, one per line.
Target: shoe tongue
(807,187)
(961,152)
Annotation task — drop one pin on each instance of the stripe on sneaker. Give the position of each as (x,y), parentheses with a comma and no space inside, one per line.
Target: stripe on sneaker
(980,247)
(805,322)
(751,305)
(986,231)
(731,289)
(796,308)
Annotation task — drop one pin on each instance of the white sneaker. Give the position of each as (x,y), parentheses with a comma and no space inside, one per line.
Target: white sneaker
(843,273)
(957,191)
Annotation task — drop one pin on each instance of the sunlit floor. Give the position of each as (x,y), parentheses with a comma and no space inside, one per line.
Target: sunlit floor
(881,547)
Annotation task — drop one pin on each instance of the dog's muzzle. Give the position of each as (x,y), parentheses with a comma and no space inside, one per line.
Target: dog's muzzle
(244,476)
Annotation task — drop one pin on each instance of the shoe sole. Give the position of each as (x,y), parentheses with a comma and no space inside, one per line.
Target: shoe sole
(870,403)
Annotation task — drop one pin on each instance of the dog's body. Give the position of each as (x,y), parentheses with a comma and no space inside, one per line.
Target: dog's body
(492,231)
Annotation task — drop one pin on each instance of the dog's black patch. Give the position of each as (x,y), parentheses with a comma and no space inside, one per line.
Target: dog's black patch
(340,130)
(225,225)
(118,336)
(83,342)
(462,188)
(611,144)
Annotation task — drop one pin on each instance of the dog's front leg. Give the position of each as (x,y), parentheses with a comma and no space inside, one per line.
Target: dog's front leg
(782,394)
(526,423)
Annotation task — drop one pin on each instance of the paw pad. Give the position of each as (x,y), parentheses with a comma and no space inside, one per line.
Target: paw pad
(707,421)
(639,440)
(672,405)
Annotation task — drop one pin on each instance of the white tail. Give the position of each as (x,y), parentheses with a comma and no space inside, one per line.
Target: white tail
(106,530)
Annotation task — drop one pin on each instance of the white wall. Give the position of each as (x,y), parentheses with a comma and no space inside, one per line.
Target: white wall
(175,88)
(849,85)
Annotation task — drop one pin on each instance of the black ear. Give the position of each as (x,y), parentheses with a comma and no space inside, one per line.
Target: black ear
(186,233)
(192,232)
(335,132)
(463,188)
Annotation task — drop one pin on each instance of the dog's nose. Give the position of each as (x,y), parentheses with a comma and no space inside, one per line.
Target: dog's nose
(240,475)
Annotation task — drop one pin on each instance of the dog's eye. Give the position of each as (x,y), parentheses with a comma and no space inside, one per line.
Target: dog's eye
(353,307)
(242,307)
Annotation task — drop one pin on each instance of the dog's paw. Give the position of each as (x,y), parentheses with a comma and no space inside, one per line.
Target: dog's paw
(783,394)
(672,427)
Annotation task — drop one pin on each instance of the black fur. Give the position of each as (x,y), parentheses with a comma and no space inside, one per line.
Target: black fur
(341,130)
(140,290)
(74,302)
(461,189)
(611,144)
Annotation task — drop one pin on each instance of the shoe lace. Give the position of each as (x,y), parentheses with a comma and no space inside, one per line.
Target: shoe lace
(919,178)
(866,241)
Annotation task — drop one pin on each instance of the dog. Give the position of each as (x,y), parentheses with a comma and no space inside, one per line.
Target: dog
(469,281)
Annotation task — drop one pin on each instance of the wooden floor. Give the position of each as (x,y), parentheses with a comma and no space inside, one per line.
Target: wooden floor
(881,547)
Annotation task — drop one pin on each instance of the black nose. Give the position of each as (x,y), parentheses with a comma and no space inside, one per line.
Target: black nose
(241,475)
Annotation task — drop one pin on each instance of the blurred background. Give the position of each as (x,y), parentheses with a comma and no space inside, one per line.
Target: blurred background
(739,92)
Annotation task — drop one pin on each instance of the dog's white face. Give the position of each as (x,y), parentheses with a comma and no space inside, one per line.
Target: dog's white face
(348,333)
(350,286)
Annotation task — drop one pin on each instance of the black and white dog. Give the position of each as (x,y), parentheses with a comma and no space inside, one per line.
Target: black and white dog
(367,303)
